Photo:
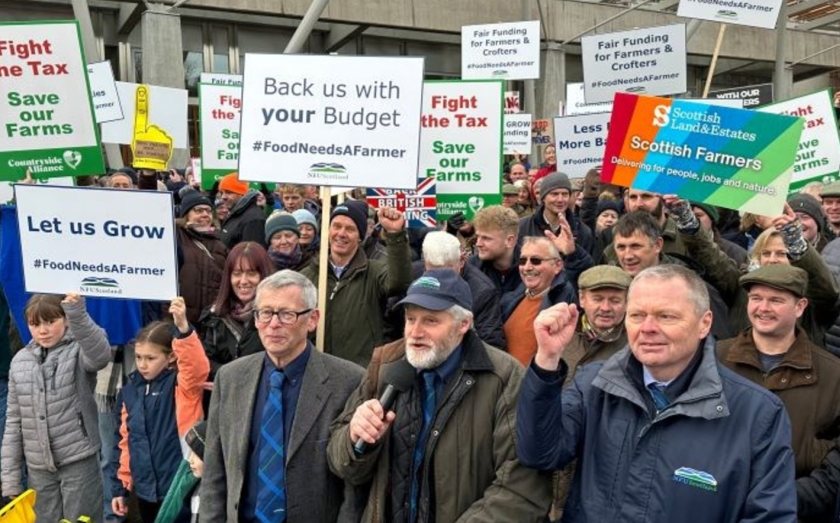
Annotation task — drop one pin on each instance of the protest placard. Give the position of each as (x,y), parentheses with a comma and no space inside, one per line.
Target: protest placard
(7,189)
(219,110)
(541,132)
(221,79)
(751,96)
(651,60)
(517,134)
(94,242)
(46,113)
(419,205)
(103,92)
(331,120)
(508,51)
(733,158)
(512,102)
(461,144)
(167,111)
(818,154)
(755,13)
(580,142)
(576,103)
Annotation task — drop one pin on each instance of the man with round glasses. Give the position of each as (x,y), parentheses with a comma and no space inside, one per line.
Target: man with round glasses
(269,418)
(544,283)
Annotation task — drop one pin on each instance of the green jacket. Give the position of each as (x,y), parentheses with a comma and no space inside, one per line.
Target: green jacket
(672,244)
(477,477)
(356,302)
(723,274)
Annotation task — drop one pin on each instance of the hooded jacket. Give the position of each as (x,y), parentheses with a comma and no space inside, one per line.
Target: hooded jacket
(245,223)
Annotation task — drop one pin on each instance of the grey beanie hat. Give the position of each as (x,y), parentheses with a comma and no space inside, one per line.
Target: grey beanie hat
(554,181)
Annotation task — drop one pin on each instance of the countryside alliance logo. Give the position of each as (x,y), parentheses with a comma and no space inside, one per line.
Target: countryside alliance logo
(695,478)
(72,158)
(327,171)
(100,285)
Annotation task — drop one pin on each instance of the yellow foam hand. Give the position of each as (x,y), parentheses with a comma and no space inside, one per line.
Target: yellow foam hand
(150,145)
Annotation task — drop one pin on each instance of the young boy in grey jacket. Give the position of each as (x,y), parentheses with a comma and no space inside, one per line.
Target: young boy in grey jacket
(51,421)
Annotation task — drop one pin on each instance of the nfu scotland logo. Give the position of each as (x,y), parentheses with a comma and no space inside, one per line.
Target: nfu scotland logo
(99,285)
(327,171)
(696,478)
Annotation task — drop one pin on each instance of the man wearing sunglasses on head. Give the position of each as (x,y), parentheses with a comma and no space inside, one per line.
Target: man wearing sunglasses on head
(544,283)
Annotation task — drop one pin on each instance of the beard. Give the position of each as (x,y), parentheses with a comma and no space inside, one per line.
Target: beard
(426,354)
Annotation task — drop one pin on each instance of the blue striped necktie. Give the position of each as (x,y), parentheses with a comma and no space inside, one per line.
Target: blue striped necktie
(271,498)
(657,392)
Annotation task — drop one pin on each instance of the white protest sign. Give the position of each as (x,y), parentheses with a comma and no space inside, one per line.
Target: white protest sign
(818,155)
(219,110)
(331,120)
(46,116)
(7,189)
(576,102)
(103,91)
(167,111)
(756,13)
(96,243)
(221,79)
(501,51)
(580,141)
(517,134)
(650,61)
(461,144)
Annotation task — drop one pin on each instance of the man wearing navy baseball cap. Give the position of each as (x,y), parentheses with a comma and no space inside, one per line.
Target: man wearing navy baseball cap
(458,409)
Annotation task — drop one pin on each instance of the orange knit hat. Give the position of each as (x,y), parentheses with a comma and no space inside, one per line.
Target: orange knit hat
(232,184)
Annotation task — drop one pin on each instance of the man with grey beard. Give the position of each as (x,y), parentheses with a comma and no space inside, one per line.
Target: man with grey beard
(444,450)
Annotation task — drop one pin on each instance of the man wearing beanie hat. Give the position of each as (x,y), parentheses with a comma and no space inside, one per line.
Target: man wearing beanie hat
(554,218)
(246,221)
(282,234)
(359,287)
(809,211)
(457,404)
(831,207)
(777,354)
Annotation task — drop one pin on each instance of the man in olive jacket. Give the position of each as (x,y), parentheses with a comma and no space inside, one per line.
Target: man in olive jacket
(777,354)
(444,451)
(358,288)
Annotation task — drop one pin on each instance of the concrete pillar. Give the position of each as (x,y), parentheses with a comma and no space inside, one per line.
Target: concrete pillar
(782,76)
(163,58)
(551,87)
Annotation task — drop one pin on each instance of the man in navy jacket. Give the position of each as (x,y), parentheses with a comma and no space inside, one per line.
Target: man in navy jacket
(661,431)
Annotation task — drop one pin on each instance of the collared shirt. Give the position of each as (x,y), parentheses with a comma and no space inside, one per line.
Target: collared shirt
(673,388)
(445,372)
(294,372)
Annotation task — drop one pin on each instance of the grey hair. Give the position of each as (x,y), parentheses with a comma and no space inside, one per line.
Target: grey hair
(459,313)
(441,250)
(287,278)
(542,240)
(697,291)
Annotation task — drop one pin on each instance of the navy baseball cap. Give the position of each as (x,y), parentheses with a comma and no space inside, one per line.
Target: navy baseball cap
(437,290)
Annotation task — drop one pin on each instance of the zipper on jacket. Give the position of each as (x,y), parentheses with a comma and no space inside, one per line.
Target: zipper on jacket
(82,424)
(335,290)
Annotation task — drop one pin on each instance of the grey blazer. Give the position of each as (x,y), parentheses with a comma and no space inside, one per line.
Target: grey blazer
(313,493)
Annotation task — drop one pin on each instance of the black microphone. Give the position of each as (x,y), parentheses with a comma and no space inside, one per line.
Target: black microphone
(398,377)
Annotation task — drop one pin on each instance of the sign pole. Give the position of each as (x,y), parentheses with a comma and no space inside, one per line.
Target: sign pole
(323,266)
(714,61)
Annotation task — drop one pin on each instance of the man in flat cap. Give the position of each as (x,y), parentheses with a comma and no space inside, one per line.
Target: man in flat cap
(777,354)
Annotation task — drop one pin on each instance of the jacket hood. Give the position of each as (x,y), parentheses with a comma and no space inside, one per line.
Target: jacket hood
(243,203)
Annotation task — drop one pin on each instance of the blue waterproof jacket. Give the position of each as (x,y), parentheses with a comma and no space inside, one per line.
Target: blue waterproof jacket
(720,452)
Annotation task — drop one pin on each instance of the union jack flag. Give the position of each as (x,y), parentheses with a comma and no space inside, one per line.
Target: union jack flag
(419,205)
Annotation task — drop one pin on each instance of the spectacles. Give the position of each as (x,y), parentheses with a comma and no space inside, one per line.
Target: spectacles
(265,316)
(536,261)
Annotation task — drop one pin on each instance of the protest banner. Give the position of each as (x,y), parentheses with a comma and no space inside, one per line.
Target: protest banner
(818,154)
(461,144)
(331,120)
(733,158)
(95,242)
(751,96)
(755,13)
(512,102)
(580,142)
(221,79)
(166,111)
(46,113)
(651,60)
(517,134)
(576,102)
(219,110)
(541,132)
(103,92)
(419,205)
(509,51)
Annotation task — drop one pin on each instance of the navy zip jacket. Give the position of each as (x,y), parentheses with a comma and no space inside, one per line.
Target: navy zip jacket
(719,452)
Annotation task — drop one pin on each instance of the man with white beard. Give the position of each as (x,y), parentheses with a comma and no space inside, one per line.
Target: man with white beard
(444,450)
